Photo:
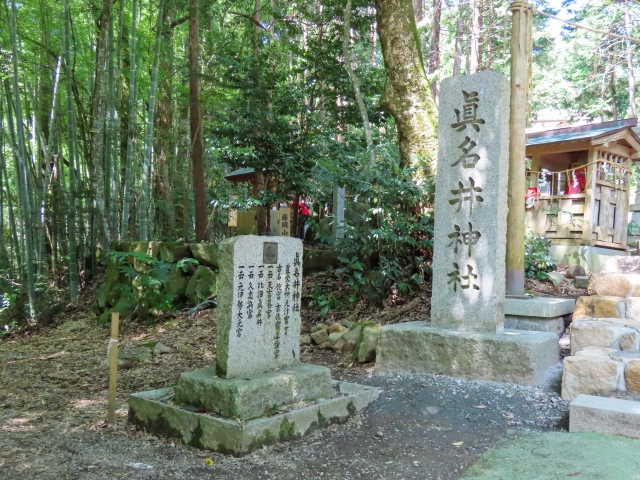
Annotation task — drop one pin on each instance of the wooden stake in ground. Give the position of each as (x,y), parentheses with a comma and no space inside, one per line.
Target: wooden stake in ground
(113,367)
(520,51)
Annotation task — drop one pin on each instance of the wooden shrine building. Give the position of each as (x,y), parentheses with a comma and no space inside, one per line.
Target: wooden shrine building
(578,181)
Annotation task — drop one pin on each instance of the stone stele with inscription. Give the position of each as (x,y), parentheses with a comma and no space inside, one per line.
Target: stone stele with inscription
(471,203)
(231,408)
(259,293)
(466,336)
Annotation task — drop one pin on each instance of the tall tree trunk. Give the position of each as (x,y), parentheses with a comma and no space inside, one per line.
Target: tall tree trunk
(71,218)
(163,141)
(355,82)
(434,54)
(406,95)
(126,194)
(197,163)
(418,10)
(457,58)
(632,78)
(143,212)
(476,25)
(488,39)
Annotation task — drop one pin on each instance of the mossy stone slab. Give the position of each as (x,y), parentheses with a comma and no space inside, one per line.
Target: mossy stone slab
(254,395)
(150,411)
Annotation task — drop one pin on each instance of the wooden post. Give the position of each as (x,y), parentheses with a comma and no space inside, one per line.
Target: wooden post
(113,368)
(522,13)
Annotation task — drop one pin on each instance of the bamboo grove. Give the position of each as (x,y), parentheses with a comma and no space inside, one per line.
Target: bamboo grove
(120,118)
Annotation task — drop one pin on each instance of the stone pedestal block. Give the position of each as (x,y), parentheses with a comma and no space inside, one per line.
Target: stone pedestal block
(513,356)
(153,412)
(542,314)
(254,395)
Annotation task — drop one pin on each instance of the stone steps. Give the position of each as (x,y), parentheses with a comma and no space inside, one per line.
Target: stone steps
(613,416)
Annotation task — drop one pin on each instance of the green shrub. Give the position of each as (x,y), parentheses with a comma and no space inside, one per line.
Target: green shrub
(144,293)
(386,249)
(537,261)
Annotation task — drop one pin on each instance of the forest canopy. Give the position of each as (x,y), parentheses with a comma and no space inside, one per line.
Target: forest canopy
(120,119)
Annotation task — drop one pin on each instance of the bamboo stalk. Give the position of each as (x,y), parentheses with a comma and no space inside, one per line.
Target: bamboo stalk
(71,218)
(148,143)
(126,195)
(22,152)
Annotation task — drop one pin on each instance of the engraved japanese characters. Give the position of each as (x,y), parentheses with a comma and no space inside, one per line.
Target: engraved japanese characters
(259,293)
(471,203)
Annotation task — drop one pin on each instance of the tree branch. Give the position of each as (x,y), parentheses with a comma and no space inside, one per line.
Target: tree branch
(249,17)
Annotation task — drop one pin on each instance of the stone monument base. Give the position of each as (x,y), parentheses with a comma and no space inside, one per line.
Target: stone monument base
(151,411)
(254,395)
(542,314)
(514,356)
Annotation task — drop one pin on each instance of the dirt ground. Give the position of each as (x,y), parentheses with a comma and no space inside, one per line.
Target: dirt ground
(53,407)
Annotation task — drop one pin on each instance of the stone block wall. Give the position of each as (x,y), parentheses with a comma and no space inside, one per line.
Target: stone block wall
(605,333)
(191,285)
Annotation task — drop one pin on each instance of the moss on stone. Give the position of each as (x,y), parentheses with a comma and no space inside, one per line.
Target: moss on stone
(286,429)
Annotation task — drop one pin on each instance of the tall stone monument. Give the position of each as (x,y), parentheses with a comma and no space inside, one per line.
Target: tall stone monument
(466,336)
(471,203)
(258,370)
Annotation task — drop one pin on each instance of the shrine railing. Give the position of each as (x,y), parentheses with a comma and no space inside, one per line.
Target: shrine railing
(585,205)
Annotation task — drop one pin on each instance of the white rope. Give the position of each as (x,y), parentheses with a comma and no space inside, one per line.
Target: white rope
(113,341)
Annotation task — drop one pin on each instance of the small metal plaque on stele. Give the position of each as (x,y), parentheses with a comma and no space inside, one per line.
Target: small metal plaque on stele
(270,253)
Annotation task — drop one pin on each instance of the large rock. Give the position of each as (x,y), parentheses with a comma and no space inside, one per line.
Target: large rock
(598,306)
(622,264)
(594,333)
(350,338)
(575,271)
(201,285)
(205,253)
(177,283)
(320,336)
(589,371)
(612,284)
(319,260)
(556,278)
(173,252)
(581,282)
(108,294)
(366,344)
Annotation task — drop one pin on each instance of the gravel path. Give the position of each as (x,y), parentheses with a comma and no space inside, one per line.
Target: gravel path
(421,427)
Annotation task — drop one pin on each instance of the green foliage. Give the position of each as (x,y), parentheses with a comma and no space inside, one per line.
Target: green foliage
(147,275)
(633,229)
(185,262)
(537,260)
(386,248)
(322,303)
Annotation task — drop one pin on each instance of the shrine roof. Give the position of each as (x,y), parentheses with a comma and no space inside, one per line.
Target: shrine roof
(240,174)
(581,132)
